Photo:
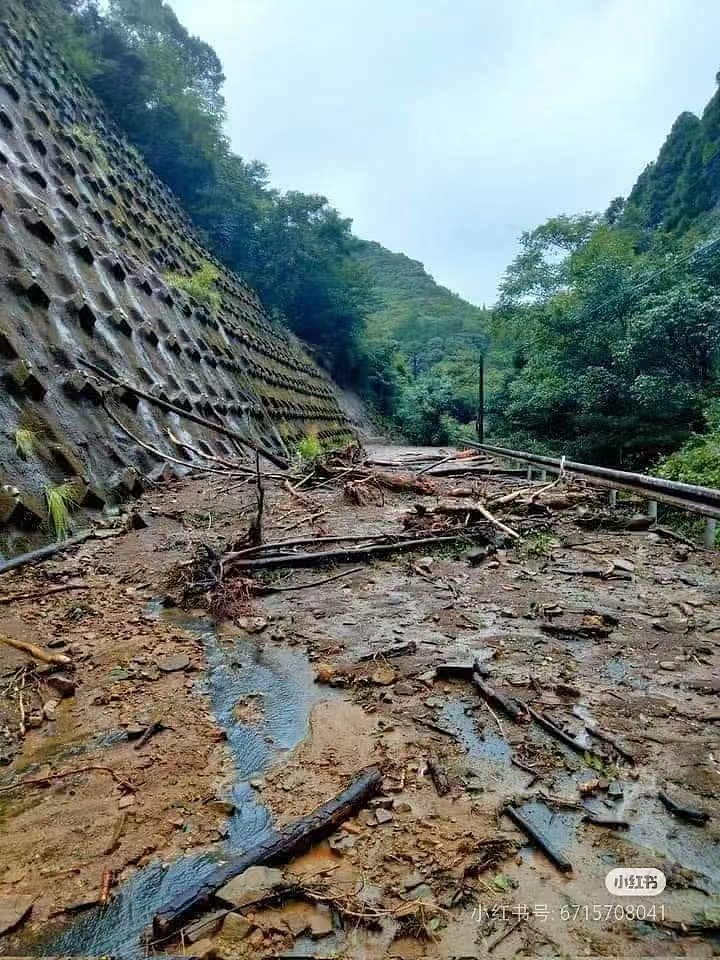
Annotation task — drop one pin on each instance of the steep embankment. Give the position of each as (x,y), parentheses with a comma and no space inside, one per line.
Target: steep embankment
(92,249)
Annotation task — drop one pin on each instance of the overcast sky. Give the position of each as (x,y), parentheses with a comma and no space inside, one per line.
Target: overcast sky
(445,128)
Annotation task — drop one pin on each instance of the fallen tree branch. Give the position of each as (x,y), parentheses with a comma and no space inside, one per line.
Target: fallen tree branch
(435,727)
(155,451)
(44,553)
(255,533)
(310,518)
(187,415)
(435,463)
(607,738)
(394,650)
(504,934)
(482,470)
(509,497)
(301,541)
(37,653)
(229,464)
(559,734)
(498,523)
(38,781)
(527,769)
(509,707)
(307,502)
(40,594)
(278,848)
(342,556)
(306,586)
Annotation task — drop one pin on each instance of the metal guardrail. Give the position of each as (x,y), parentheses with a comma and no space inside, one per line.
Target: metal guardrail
(684,496)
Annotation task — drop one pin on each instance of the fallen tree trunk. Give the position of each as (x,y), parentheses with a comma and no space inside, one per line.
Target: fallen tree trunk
(278,848)
(274,561)
(41,594)
(392,481)
(188,415)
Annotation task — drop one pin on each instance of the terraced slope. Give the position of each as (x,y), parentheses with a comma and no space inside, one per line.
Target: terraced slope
(91,247)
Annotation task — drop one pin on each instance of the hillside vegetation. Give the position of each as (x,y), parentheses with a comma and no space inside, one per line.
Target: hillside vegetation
(613,320)
(427,341)
(163,87)
(604,341)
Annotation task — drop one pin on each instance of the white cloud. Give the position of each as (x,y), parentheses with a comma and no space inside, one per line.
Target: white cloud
(446,127)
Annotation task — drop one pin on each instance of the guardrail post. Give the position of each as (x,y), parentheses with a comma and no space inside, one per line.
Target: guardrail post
(710,526)
(613,499)
(529,472)
(543,474)
(652,509)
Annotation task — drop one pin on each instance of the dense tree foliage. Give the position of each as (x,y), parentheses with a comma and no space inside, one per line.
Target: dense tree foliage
(612,322)
(164,89)
(616,361)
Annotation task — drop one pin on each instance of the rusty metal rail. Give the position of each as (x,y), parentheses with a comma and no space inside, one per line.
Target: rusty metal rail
(683,496)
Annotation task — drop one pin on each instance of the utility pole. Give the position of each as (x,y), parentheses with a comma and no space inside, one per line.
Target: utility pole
(481,400)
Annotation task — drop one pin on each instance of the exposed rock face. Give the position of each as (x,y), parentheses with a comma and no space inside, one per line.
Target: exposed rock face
(87,234)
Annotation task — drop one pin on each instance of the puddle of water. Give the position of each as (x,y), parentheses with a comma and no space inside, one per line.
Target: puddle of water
(653,829)
(234,667)
(615,670)
(657,831)
(480,744)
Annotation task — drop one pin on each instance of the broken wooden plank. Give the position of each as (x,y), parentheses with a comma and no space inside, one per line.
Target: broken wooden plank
(509,707)
(438,777)
(539,839)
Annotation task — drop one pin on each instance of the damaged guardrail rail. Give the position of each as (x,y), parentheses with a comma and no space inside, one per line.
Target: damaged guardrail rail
(683,496)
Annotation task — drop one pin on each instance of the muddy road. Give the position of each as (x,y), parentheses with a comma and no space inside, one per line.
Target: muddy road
(176,742)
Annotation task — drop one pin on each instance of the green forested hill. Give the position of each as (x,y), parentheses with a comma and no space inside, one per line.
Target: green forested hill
(413,309)
(683,184)
(613,319)
(432,338)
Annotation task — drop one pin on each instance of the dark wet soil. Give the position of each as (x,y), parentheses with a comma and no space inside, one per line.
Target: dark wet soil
(649,678)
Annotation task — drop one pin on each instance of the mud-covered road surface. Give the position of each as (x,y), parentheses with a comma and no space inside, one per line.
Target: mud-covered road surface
(261,718)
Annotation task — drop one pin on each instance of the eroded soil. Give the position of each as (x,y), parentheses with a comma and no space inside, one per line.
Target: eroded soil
(244,734)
